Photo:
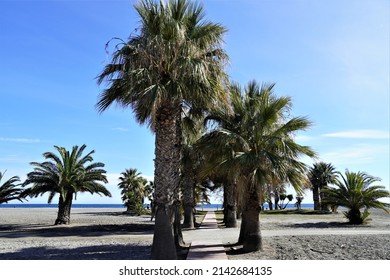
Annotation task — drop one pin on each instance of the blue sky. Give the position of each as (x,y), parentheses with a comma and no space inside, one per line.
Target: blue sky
(331,57)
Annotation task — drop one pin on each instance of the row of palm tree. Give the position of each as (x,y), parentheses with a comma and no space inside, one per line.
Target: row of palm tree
(171,72)
(174,60)
(174,64)
(172,67)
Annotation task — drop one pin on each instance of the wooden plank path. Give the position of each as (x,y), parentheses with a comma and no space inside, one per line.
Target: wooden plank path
(207,245)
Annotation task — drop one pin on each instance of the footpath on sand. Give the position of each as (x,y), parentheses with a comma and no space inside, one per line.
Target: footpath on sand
(206,243)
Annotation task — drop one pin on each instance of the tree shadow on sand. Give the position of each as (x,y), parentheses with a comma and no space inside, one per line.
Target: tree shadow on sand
(18,231)
(113,213)
(98,252)
(320,225)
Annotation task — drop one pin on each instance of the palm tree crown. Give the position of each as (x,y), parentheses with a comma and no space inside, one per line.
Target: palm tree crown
(257,140)
(9,190)
(355,192)
(176,56)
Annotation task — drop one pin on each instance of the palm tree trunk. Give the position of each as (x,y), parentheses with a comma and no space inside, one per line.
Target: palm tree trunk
(188,195)
(230,206)
(277,201)
(324,206)
(178,235)
(250,235)
(64,207)
(270,204)
(316,199)
(167,178)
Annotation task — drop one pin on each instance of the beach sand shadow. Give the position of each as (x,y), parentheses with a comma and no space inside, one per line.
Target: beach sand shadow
(18,231)
(98,252)
(321,225)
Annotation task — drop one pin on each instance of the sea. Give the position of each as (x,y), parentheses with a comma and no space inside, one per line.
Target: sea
(75,205)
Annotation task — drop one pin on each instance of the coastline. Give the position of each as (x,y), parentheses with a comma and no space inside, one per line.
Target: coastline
(109,234)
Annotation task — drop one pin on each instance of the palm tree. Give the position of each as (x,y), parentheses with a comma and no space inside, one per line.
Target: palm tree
(66,175)
(133,190)
(356,192)
(320,175)
(174,58)
(9,190)
(257,144)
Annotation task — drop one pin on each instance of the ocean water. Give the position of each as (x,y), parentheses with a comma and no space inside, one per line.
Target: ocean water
(199,206)
(289,206)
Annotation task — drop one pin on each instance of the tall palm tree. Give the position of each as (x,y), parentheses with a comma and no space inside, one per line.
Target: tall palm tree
(174,58)
(356,192)
(133,190)
(9,190)
(66,175)
(257,144)
(320,175)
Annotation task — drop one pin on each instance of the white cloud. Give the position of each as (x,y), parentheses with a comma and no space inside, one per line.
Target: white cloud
(360,134)
(120,129)
(357,154)
(19,140)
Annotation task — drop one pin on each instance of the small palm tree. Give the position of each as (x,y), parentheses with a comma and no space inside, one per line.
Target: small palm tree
(320,175)
(66,175)
(356,192)
(133,190)
(9,190)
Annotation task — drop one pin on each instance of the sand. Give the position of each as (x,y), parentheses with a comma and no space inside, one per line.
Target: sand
(321,237)
(109,234)
(105,234)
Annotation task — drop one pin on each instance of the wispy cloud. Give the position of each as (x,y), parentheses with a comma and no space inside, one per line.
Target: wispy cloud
(360,134)
(120,129)
(19,140)
(357,154)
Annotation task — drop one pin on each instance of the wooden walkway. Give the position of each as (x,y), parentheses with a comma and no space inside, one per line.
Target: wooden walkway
(210,248)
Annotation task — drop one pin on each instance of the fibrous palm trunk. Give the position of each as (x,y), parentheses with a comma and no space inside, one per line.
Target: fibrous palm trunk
(316,198)
(188,195)
(167,179)
(277,200)
(230,206)
(64,207)
(250,236)
(323,205)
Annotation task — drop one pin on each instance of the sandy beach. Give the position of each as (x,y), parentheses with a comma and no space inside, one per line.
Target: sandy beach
(109,234)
